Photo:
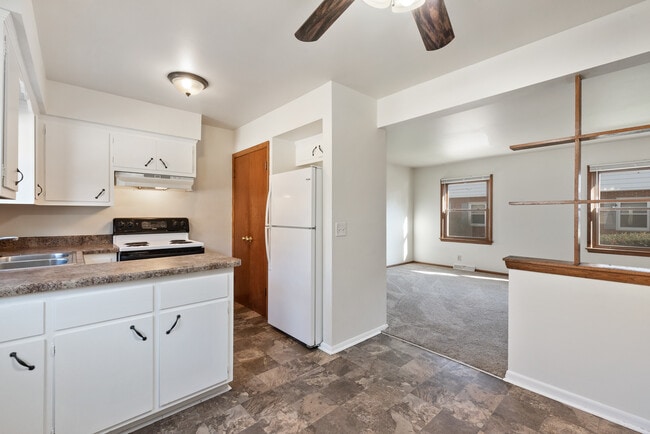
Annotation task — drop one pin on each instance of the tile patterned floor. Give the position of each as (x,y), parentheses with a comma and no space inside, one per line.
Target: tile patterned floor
(382,385)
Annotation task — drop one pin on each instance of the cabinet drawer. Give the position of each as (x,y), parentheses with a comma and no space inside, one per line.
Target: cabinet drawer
(193,290)
(21,320)
(102,305)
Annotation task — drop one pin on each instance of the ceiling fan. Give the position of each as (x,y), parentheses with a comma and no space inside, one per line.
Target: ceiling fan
(430,17)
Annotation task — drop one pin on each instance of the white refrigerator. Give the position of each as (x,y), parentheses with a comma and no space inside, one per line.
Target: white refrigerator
(294,252)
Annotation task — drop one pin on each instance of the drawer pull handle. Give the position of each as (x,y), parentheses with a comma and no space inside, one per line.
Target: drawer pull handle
(22,362)
(174,325)
(148,162)
(140,335)
(163,163)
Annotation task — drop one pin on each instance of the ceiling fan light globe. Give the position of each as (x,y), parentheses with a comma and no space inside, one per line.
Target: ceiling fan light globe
(406,5)
(380,4)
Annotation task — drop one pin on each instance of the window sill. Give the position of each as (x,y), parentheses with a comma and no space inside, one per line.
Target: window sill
(619,251)
(637,276)
(466,240)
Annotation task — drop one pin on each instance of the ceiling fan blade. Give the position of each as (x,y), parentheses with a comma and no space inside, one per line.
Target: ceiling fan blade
(321,19)
(434,24)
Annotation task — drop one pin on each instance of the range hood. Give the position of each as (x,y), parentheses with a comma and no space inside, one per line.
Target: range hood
(153,181)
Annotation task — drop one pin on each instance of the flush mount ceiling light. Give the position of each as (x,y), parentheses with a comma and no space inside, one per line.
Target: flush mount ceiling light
(186,82)
(396,5)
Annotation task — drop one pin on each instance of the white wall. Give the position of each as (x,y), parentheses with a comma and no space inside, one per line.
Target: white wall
(208,207)
(399,214)
(311,107)
(583,342)
(358,166)
(76,102)
(621,35)
(543,231)
(354,170)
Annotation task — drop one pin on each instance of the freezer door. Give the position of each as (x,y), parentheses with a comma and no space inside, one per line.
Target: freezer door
(292,198)
(291,294)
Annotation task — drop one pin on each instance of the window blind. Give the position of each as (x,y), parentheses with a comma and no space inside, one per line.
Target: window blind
(466,179)
(618,166)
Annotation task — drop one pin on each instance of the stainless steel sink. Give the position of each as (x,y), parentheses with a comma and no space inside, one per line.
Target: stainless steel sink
(36,260)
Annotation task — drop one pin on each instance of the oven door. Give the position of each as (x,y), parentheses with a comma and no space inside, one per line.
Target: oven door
(158,253)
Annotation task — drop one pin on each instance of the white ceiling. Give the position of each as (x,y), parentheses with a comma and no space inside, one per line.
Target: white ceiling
(247,51)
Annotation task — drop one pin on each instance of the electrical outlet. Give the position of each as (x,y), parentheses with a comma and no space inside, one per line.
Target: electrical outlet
(459,258)
(341,229)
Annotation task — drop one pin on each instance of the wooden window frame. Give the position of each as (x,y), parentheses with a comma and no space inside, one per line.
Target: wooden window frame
(444,205)
(593,223)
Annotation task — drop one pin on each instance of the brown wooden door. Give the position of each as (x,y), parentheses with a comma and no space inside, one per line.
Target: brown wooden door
(250,185)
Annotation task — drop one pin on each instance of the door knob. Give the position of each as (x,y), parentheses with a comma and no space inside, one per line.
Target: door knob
(248,238)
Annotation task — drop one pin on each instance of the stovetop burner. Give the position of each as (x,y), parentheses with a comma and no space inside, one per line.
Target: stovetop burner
(180,242)
(137,244)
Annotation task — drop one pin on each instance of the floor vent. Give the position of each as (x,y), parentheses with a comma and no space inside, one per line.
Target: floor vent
(464,267)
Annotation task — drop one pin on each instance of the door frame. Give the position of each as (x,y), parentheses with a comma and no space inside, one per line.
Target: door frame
(262,146)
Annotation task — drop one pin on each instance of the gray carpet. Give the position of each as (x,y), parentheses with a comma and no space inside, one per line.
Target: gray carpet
(458,314)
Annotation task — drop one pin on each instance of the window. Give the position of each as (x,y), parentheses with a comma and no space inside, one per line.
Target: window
(466,210)
(619,220)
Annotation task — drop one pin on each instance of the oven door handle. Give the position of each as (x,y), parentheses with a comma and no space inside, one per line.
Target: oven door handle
(159,253)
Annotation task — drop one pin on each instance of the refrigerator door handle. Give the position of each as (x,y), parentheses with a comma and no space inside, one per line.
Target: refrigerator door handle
(267,215)
(267,228)
(267,241)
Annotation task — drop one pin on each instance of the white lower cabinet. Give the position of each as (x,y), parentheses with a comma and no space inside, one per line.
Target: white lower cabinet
(193,349)
(22,367)
(103,375)
(107,358)
(22,390)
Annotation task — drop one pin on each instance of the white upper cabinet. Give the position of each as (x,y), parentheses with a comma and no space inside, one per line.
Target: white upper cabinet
(76,164)
(309,150)
(152,154)
(11,175)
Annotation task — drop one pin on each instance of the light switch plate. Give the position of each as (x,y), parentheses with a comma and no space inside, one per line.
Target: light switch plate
(341,229)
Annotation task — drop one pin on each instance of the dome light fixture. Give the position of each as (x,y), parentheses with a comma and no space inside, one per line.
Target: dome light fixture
(187,83)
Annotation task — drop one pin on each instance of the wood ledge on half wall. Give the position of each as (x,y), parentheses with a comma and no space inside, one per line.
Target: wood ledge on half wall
(612,273)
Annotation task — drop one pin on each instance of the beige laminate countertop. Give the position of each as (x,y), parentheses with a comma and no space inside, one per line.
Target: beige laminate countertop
(78,275)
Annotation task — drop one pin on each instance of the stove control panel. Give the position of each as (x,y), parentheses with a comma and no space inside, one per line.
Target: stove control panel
(123,226)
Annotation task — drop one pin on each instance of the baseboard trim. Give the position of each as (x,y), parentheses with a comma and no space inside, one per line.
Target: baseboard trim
(580,402)
(478,270)
(398,264)
(167,411)
(333,349)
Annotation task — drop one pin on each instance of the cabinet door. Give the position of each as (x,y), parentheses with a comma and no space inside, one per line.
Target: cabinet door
(77,164)
(175,157)
(131,151)
(22,394)
(194,344)
(103,375)
(309,150)
(10,175)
